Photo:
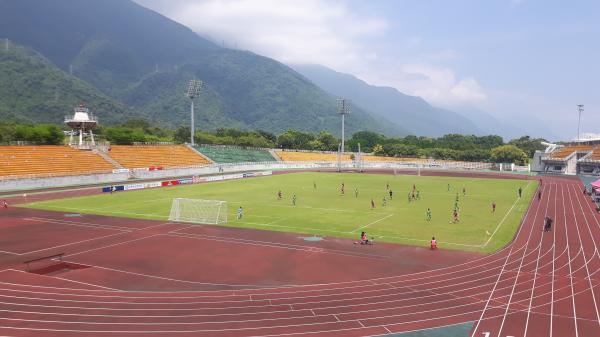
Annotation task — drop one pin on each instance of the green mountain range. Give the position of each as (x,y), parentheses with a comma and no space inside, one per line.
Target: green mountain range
(33,90)
(139,62)
(411,112)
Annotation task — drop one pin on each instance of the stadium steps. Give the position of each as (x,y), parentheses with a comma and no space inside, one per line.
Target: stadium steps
(108,159)
(274,154)
(199,153)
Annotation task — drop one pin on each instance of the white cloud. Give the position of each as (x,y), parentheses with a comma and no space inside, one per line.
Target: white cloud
(329,33)
(437,85)
(308,31)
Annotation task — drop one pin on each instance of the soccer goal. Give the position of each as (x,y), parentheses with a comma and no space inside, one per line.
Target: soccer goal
(210,212)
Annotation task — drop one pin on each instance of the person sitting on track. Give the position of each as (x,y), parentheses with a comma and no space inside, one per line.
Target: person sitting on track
(548,224)
(433,243)
(4,203)
(363,239)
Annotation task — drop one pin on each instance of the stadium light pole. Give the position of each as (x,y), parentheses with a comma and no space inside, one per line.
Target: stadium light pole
(193,91)
(580,110)
(343,108)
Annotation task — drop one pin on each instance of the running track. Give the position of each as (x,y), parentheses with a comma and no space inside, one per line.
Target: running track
(542,284)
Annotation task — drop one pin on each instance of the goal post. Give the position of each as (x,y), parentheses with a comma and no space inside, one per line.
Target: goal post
(200,211)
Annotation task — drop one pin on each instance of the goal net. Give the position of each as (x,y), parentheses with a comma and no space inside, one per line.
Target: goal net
(199,211)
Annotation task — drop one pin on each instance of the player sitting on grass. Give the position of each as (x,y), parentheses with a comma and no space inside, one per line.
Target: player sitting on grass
(433,243)
(428,214)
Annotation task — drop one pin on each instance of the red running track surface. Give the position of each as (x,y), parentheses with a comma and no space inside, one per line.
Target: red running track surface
(542,284)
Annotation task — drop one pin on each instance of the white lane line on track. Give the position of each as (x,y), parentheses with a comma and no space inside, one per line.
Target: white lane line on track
(537,262)
(516,277)
(76,223)
(569,257)
(492,292)
(10,253)
(74,243)
(112,245)
(583,250)
(64,279)
(279,293)
(84,295)
(503,219)
(595,251)
(553,269)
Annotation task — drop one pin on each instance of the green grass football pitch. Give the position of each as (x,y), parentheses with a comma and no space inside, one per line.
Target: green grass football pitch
(326,212)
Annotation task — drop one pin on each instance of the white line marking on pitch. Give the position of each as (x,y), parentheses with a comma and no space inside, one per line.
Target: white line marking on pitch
(504,218)
(371,223)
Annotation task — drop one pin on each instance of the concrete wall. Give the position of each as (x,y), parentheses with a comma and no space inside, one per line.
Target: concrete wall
(135,175)
(37,183)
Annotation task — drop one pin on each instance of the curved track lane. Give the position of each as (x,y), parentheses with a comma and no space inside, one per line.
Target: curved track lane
(542,284)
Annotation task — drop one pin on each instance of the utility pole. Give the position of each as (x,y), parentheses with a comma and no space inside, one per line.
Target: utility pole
(580,110)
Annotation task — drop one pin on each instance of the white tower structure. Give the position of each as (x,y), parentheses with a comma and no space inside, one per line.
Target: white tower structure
(82,123)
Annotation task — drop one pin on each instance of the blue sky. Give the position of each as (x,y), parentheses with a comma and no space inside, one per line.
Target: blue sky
(527,62)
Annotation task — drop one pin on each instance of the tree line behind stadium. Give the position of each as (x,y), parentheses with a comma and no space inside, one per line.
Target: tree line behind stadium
(489,148)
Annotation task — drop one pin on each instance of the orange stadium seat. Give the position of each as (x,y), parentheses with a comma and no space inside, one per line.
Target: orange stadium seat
(566,151)
(142,156)
(596,154)
(21,161)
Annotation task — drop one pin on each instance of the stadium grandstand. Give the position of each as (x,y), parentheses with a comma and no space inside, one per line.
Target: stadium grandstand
(571,158)
(311,156)
(224,154)
(162,156)
(48,160)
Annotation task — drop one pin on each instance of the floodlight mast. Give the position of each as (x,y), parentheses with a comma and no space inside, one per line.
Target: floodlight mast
(343,108)
(193,91)
(580,109)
